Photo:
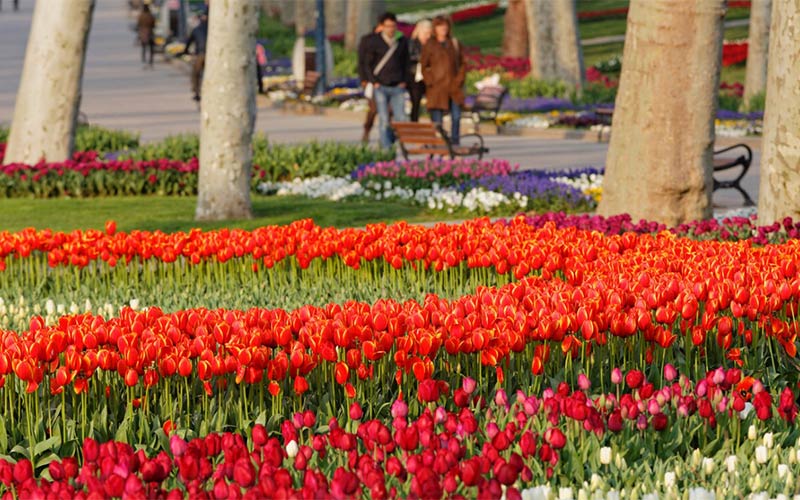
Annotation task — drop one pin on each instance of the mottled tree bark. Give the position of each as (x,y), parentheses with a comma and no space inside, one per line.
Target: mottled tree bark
(779,193)
(335,17)
(659,162)
(758,42)
(49,95)
(228,111)
(362,15)
(555,49)
(515,30)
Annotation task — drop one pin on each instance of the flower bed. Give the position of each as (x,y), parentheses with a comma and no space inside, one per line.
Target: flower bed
(490,358)
(88,175)
(460,186)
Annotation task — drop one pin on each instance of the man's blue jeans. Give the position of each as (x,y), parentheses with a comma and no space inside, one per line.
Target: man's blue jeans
(455,118)
(396,98)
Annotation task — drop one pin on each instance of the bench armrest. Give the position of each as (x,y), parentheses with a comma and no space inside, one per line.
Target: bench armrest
(748,154)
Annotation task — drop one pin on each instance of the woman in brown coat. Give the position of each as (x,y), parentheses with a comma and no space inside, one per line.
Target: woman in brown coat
(145,26)
(443,70)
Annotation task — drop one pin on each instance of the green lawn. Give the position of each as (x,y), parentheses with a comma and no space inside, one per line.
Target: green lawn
(176,213)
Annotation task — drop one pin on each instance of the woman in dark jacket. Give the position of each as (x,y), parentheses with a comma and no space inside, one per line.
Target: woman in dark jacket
(145,26)
(416,85)
(443,70)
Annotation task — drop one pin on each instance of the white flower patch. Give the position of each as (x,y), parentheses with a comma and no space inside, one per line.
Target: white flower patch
(534,121)
(585,182)
(324,186)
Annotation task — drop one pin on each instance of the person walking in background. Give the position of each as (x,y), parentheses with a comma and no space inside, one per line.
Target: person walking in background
(145,26)
(198,37)
(443,70)
(369,94)
(385,65)
(416,85)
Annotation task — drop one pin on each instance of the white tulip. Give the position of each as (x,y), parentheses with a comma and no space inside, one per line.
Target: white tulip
(605,455)
(594,482)
(565,493)
(783,470)
(761,454)
(751,433)
(292,449)
(697,458)
(701,494)
(669,479)
(708,466)
(730,463)
(768,440)
(134,303)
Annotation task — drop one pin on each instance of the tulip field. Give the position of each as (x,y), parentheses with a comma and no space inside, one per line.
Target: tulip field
(515,358)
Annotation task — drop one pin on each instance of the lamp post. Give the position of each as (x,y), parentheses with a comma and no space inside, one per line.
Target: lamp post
(320,40)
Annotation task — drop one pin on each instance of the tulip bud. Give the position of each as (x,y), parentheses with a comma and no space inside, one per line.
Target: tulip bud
(748,407)
(783,470)
(768,440)
(697,457)
(355,411)
(583,382)
(616,376)
(751,433)
(399,409)
(669,479)
(594,482)
(756,485)
(177,445)
(500,398)
(730,463)
(468,385)
(565,493)
(582,495)
(708,466)
(292,449)
(670,373)
(761,454)
(605,455)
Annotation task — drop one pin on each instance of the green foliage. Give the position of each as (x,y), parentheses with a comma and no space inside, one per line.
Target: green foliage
(103,140)
(522,88)
(757,102)
(181,147)
(280,38)
(729,101)
(345,62)
(594,93)
(95,138)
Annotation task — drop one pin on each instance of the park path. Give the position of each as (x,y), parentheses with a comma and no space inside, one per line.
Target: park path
(119,92)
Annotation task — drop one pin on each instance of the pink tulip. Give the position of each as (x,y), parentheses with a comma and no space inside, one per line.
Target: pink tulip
(616,376)
(670,373)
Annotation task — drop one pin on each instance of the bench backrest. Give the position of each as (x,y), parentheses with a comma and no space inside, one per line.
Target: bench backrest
(418,133)
(310,82)
(490,98)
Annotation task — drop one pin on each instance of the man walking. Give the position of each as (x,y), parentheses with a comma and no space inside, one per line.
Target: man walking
(385,65)
(198,37)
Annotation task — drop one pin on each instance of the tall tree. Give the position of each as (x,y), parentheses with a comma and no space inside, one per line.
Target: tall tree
(755,80)
(49,95)
(335,17)
(228,111)
(555,49)
(362,15)
(659,162)
(515,30)
(779,193)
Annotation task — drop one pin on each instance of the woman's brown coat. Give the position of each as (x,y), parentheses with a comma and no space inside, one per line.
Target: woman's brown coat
(443,71)
(145,25)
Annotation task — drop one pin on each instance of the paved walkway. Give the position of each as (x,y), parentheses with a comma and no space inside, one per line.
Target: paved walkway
(119,93)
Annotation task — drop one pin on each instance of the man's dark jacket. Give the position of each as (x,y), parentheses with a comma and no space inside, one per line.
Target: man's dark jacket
(372,49)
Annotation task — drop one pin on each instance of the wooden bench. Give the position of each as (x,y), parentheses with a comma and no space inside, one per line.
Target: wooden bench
(487,103)
(744,160)
(431,140)
(309,84)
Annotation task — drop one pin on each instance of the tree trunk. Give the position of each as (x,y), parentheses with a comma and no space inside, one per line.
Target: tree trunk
(287,12)
(515,30)
(755,80)
(659,162)
(555,49)
(305,16)
(362,16)
(779,193)
(49,94)
(335,17)
(228,111)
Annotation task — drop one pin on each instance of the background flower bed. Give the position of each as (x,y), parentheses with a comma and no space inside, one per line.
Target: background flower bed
(147,171)
(454,186)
